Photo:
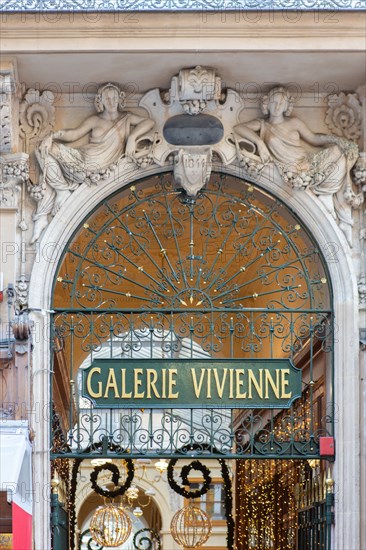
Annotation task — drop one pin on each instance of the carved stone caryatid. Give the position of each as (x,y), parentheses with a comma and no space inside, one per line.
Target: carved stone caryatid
(326,172)
(64,168)
(344,116)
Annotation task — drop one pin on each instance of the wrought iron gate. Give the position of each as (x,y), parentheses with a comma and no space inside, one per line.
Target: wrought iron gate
(156,274)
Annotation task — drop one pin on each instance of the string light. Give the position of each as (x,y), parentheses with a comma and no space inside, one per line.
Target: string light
(190,527)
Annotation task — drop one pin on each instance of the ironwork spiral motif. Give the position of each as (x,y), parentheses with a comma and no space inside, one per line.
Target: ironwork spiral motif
(115,478)
(143,542)
(194,465)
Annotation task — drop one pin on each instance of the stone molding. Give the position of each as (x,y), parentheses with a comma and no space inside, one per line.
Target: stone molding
(141,31)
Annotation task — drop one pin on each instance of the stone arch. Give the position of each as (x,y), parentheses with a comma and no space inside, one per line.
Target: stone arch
(323,229)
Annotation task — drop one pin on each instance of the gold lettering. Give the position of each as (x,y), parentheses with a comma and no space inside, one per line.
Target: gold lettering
(151,378)
(231,391)
(269,381)
(285,383)
(88,383)
(258,386)
(111,384)
(124,394)
(220,387)
(138,383)
(239,384)
(208,383)
(172,383)
(163,391)
(197,387)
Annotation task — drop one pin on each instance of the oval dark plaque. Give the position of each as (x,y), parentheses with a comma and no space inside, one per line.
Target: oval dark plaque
(193,130)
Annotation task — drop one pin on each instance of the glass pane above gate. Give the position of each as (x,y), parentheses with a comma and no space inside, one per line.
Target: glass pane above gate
(155,274)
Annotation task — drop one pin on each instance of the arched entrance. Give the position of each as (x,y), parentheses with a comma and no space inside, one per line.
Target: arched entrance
(230,279)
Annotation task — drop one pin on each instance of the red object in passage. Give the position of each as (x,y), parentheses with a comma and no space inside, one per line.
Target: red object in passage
(326,446)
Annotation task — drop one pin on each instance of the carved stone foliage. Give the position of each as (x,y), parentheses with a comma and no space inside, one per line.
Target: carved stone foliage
(5,128)
(7,91)
(344,115)
(362,290)
(359,172)
(21,293)
(14,170)
(36,114)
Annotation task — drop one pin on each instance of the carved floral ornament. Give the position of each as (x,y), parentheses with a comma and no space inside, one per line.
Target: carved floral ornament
(189,127)
(344,116)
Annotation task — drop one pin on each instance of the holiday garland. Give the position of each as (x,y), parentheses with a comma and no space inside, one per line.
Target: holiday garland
(197,465)
(71,503)
(73,486)
(115,478)
(154,536)
(228,503)
(89,540)
(194,465)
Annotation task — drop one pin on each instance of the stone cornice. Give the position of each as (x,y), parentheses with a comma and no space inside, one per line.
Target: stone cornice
(144,31)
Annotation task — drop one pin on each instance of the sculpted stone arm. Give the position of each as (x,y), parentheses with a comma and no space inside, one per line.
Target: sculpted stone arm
(142,126)
(248,131)
(75,133)
(310,137)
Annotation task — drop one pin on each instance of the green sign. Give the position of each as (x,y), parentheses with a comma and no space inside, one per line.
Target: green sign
(186,383)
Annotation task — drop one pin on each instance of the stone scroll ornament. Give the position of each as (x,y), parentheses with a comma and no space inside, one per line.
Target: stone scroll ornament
(193,125)
(326,173)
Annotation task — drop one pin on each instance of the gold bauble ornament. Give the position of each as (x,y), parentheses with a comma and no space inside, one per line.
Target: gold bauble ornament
(110,526)
(190,527)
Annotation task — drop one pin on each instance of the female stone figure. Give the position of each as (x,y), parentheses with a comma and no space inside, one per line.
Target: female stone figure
(325,172)
(64,168)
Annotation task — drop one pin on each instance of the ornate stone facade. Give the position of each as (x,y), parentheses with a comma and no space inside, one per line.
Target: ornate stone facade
(330,211)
